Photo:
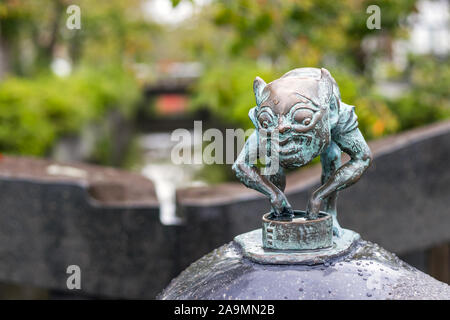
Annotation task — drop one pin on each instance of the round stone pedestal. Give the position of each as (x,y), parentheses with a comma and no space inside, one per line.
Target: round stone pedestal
(363,271)
(300,233)
(348,268)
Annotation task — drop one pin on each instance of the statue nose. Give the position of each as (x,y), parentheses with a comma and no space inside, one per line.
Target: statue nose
(283,126)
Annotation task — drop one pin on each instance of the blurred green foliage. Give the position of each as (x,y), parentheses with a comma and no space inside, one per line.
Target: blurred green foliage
(37,108)
(35,111)
(33,32)
(234,40)
(268,38)
(428,99)
(226,90)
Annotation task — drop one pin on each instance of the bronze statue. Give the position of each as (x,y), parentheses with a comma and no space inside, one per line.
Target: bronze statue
(303,109)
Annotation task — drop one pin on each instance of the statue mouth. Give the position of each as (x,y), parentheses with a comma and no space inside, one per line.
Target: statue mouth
(284,141)
(291,149)
(293,144)
(289,144)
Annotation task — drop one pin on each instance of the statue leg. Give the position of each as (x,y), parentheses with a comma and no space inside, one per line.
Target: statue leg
(331,161)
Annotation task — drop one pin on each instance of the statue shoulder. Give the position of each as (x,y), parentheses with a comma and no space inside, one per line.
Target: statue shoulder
(347,120)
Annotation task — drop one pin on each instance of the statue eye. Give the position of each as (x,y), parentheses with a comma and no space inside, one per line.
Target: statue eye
(303,116)
(265,119)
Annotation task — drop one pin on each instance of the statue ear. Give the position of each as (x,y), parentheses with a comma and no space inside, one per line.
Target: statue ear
(330,95)
(258,87)
(326,74)
(252,116)
(325,87)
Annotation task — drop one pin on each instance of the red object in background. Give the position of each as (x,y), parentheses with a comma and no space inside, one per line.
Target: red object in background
(171,103)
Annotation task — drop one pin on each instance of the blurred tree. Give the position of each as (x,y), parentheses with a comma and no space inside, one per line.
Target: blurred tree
(34,112)
(270,37)
(309,32)
(234,40)
(36,106)
(428,98)
(32,33)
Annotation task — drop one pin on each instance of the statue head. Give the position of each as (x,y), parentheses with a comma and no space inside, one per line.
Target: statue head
(299,106)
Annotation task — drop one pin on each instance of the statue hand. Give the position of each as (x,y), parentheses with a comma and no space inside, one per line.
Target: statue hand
(280,204)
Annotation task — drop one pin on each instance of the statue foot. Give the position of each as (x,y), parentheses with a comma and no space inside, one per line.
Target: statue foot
(337,230)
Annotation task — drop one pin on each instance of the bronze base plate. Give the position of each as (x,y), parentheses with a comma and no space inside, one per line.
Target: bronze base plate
(298,233)
(252,248)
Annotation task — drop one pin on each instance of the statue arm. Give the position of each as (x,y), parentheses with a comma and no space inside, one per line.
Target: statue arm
(355,146)
(246,170)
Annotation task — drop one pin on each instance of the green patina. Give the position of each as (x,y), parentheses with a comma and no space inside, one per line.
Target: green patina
(298,117)
(299,233)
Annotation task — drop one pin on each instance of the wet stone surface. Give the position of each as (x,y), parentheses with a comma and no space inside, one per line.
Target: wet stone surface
(367,272)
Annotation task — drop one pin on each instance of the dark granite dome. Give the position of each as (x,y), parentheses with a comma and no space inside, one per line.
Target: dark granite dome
(366,272)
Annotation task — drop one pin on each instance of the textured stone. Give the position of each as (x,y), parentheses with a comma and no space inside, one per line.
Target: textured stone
(48,223)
